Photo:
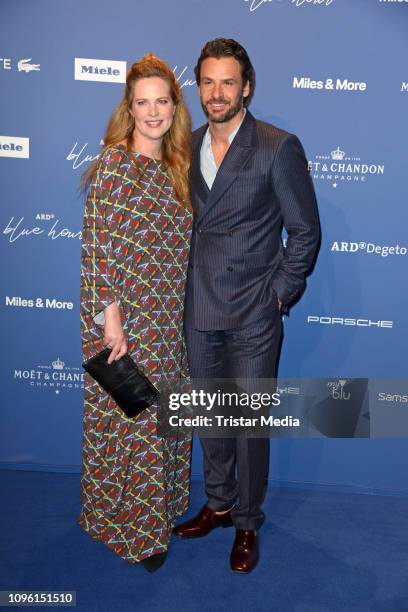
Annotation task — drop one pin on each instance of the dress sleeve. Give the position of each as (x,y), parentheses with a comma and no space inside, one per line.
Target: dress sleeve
(97,259)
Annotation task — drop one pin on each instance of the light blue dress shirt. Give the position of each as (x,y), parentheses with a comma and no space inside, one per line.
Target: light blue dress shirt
(208,166)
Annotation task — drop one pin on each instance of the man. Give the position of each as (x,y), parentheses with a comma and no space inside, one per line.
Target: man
(248,179)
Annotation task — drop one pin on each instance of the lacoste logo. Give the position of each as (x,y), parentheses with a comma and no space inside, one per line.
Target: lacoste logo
(24,65)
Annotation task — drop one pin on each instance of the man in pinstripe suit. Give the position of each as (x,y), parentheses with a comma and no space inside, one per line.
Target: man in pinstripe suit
(248,179)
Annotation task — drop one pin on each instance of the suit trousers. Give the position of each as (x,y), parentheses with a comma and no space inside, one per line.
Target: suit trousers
(236,469)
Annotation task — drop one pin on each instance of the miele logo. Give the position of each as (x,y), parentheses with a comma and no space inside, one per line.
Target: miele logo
(109,71)
(14,146)
(349,322)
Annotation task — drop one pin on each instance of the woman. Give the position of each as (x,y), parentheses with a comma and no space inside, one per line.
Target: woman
(137,227)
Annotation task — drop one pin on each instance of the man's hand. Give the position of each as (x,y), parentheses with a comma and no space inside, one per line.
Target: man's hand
(113,336)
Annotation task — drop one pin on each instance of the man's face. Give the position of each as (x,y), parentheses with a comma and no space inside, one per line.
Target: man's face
(221,88)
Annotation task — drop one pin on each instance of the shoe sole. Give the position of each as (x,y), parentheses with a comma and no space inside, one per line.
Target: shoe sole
(194,537)
(244,572)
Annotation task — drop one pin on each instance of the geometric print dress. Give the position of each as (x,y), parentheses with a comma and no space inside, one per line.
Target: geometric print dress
(135,248)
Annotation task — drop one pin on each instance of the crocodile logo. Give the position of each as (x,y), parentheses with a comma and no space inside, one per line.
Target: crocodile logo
(24,65)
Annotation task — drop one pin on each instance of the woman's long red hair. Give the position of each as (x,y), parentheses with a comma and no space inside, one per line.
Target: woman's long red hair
(176,146)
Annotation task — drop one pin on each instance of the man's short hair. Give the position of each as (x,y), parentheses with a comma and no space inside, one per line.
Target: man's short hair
(227,47)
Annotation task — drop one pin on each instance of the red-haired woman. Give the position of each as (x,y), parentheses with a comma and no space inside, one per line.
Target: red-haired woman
(137,227)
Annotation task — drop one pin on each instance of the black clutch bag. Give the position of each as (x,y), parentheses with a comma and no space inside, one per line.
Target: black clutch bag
(124,381)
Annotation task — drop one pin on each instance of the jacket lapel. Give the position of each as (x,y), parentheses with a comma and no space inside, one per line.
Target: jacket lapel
(240,151)
(199,188)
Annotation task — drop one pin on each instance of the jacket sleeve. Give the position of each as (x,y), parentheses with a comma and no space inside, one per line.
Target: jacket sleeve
(294,190)
(97,259)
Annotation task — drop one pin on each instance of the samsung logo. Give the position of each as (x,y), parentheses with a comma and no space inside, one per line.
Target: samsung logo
(109,71)
(393,397)
(14,146)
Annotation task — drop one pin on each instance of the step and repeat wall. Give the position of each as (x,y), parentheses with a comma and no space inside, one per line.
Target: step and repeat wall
(333,72)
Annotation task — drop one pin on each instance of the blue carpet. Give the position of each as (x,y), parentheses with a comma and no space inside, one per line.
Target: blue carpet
(321,552)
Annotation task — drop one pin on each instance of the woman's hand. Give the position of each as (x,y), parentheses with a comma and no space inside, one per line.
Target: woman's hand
(113,335)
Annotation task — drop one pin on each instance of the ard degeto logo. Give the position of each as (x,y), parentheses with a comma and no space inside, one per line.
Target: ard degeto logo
(369,248)
(14,146)
(338,168)
(55,376)
(109,71)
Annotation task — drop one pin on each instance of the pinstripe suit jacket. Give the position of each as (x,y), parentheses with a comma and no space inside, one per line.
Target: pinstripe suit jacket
(238,266)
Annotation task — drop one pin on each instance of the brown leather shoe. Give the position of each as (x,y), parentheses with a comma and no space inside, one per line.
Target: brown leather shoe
(205,521)
(245,551)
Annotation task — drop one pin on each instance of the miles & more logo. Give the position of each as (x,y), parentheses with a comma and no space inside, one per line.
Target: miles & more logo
(109,71)
(329,84)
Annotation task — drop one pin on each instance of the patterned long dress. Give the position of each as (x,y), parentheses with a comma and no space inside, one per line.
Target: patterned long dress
(135,251)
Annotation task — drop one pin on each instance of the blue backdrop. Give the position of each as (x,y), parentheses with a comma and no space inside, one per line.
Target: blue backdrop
(331,71)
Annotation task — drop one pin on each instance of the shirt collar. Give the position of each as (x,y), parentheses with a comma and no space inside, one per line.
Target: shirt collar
(231,136)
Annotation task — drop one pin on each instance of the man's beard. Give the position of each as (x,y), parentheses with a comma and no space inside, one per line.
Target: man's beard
(229,114)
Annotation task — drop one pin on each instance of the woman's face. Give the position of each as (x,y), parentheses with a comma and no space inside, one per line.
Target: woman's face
(152,108)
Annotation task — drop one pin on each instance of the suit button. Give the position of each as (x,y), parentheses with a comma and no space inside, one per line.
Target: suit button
(200,231)
(230,268)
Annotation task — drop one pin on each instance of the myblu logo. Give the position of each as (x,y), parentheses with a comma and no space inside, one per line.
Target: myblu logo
(337,390)
(14,146)
(109,71)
